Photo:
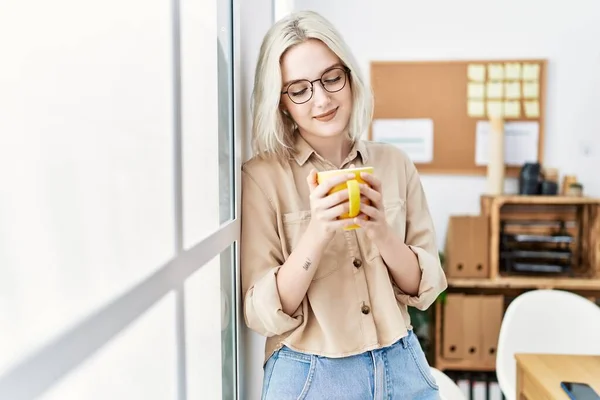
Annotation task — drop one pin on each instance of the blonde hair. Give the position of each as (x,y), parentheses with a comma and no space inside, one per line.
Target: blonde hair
(272,129)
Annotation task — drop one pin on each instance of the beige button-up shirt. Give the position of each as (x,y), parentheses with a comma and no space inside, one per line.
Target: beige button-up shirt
(352,304)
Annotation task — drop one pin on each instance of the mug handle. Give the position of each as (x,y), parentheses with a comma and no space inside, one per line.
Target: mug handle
(353,198)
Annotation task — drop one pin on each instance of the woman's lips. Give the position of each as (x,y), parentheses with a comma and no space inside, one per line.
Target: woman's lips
(328,116)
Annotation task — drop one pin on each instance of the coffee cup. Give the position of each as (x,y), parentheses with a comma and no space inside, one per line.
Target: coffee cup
(353,186)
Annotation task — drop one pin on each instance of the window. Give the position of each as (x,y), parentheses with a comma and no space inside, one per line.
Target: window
(117,204)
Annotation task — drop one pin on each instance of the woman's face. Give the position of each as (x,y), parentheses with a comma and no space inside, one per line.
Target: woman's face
(327,112)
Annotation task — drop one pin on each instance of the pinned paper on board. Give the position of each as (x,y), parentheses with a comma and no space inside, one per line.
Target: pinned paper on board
(476,108)
(532,108)
(520,142)
(531,72)
(530,90)
(504,82)
(512,109)
(476,91)
(476,72)
(413,135)
(512,71)
(436,89)
(512,90)
(495,72)
(494,90)
(494,108)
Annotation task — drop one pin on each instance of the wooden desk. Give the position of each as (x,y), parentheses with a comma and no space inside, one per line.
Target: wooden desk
(539,375)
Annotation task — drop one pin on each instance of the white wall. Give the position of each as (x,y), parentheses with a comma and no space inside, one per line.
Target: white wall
(566,34)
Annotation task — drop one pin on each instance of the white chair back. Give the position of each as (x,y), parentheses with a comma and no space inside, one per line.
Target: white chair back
(545,321)
(448,389)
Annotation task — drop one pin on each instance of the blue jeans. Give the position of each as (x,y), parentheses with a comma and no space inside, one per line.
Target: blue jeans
(399,371)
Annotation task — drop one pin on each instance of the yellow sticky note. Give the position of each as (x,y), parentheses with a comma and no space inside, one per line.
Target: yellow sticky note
(531,72)
(475,108)
(476,90)
(476,72)
(512,71)
(495,72)
(530,90)
(512,90)
(512,109)
(532,108)
(494,108)
(494,90)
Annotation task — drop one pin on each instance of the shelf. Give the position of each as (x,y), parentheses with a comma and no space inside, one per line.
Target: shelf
(584,214)
(473,273)
(526,283)
(547,200)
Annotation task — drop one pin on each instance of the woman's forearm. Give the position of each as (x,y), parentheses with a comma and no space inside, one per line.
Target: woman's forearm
(296,274)
(402,263)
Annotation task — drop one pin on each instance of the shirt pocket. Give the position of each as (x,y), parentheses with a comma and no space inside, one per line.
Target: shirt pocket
(395,215)
(294,226)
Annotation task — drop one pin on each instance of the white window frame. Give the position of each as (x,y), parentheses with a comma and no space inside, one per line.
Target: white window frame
(51,363)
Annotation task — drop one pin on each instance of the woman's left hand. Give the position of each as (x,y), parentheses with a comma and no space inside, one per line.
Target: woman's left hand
(375,226)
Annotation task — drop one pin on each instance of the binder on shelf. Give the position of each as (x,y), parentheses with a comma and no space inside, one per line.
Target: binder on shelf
(467,247)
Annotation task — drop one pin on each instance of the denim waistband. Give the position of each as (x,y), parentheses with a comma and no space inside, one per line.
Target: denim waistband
(306,357)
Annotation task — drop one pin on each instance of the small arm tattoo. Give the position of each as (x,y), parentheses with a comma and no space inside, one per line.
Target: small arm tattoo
(307,264)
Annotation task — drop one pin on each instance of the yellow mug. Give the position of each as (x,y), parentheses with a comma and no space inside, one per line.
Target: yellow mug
(353,189)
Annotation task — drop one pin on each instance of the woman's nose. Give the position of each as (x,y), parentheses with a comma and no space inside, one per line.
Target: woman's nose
(320,95)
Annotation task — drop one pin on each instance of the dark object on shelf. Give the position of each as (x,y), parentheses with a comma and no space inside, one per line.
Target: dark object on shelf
(536,254)
(549,188)
(529,178)
(549,185)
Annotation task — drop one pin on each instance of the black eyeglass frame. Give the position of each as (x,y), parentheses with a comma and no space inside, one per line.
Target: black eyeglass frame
(346,71)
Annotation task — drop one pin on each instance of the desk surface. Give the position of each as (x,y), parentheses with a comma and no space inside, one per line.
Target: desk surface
(548,370)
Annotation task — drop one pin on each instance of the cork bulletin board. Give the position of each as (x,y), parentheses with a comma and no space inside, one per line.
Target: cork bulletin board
(454,96)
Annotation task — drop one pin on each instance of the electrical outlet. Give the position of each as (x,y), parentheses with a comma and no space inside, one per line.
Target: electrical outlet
(586,148)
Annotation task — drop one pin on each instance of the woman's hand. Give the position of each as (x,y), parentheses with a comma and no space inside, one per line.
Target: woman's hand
(375,226)
(325,209)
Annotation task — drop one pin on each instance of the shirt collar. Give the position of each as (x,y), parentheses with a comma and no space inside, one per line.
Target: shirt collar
(303,151)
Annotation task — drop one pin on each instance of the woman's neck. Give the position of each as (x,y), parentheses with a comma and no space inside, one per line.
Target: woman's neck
(333,149)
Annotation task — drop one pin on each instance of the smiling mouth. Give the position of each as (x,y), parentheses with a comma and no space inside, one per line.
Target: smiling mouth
(327,116)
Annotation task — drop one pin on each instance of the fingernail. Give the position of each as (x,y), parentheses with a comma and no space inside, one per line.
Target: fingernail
(350,176)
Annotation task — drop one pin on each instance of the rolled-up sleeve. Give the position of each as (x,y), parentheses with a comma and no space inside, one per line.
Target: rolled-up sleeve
(421,238)
(261,257)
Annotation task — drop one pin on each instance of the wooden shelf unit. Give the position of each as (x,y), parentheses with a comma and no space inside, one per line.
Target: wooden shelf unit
(584,215)
(581,213)
(517,282)
(590,289)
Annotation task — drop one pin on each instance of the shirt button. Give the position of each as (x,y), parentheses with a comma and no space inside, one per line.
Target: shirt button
(365,309)
(357,263)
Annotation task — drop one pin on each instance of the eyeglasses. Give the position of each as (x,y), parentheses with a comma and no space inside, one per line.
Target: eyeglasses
(333,80)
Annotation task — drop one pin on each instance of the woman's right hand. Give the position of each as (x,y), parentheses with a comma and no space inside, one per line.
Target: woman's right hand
(326,208)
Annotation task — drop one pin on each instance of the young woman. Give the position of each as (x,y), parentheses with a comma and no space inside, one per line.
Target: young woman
(331,302)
